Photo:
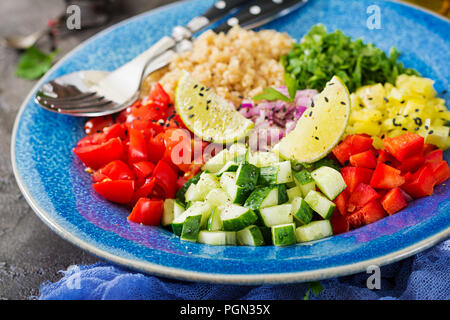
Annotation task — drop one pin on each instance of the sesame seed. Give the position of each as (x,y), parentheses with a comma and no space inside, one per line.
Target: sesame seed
(326,99)
(431,132)
(418,121)
(343,103)
(201,94)
(190,116)
(191,107)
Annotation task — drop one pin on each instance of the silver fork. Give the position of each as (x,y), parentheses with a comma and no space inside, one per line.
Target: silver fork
(95,93)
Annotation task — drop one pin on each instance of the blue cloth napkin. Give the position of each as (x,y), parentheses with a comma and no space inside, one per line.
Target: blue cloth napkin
(423,276)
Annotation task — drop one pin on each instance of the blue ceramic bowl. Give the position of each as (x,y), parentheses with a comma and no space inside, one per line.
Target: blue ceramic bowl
(54,182)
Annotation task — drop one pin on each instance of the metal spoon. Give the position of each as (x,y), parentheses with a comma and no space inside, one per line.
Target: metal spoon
(24,42)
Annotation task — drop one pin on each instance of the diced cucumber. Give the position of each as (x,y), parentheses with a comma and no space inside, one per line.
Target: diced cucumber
(215,238)
(329,181)
(193,194)
(172,209)
(272,216)
(206,183)
(320,204)
(262,197)
(314,231)
(217,197)
(181,193)
(196,208)
(291,184)
(267,234)
(217,162)
(293,193)
(235,217)
(236,193)
(191,228)
(230,166)
(284,235)
(301,211)
(250,236)
(304,181)
(276,174)
(247,176)
(230,237)
(214,221)
(237,150)
(263,159)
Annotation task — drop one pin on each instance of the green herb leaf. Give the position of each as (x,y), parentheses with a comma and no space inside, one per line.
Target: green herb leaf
(291,84)
(34,63)
(271,94)
(315,287)
(321,55)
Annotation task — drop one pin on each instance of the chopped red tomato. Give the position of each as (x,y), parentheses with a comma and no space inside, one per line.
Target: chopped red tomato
(143,169)
(138,147)
(421,183)
(119,191)
(156,147)
(405,146)
(147,212)
(166,178)
(386,177)
(115,170)
(362,195)
(394,201)
(158,95)
(427,148)
(354,176)
(144,190)
(96,125)
(96,156)
(364,159)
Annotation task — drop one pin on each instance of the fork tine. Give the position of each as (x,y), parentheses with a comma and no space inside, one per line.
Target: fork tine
(42,95)
(71,103)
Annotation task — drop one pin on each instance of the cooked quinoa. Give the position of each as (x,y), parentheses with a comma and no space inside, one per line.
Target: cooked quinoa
(237,65)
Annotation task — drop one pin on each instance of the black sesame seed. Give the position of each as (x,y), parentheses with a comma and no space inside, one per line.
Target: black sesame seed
(361,105)
(396,124)
(201,94)
(386,99)
(417,110)
(406,116)
(176,122)
(202,88)
(317,138)
(388,162)
(207,107)
(312,103)
(157,109)
(310,114)
(370,98)
(431,132)
(426,128)
(418,121)
(196,86)
(208,102)
(417,129)
(404,129)
(382,136)
(191,107)
(326,99)
(343,103)
(402,102)
(190,116)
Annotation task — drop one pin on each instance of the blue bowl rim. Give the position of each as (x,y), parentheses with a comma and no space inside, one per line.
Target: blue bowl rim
(246,279)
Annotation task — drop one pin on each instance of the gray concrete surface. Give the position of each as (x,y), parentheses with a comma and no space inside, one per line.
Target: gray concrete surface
(30,253)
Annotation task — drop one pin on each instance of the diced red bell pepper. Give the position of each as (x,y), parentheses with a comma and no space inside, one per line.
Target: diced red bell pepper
(150,129)
(147,212)
(364,159)
(393,201)
(179,148)
(166,178)
(354,176)
(441,171)
(138,147)
(126,115)
(411,164)
(352,144)
(362,195)
(156,147)
(150,111)
(115,170)
(341,202)
(143,169)
(371,212)
(434,156)
(119,191)
(96,156)
(421,183)
(405,146)
(427,148)
(339,223)
(115,131)
(406,196)
(386,177)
